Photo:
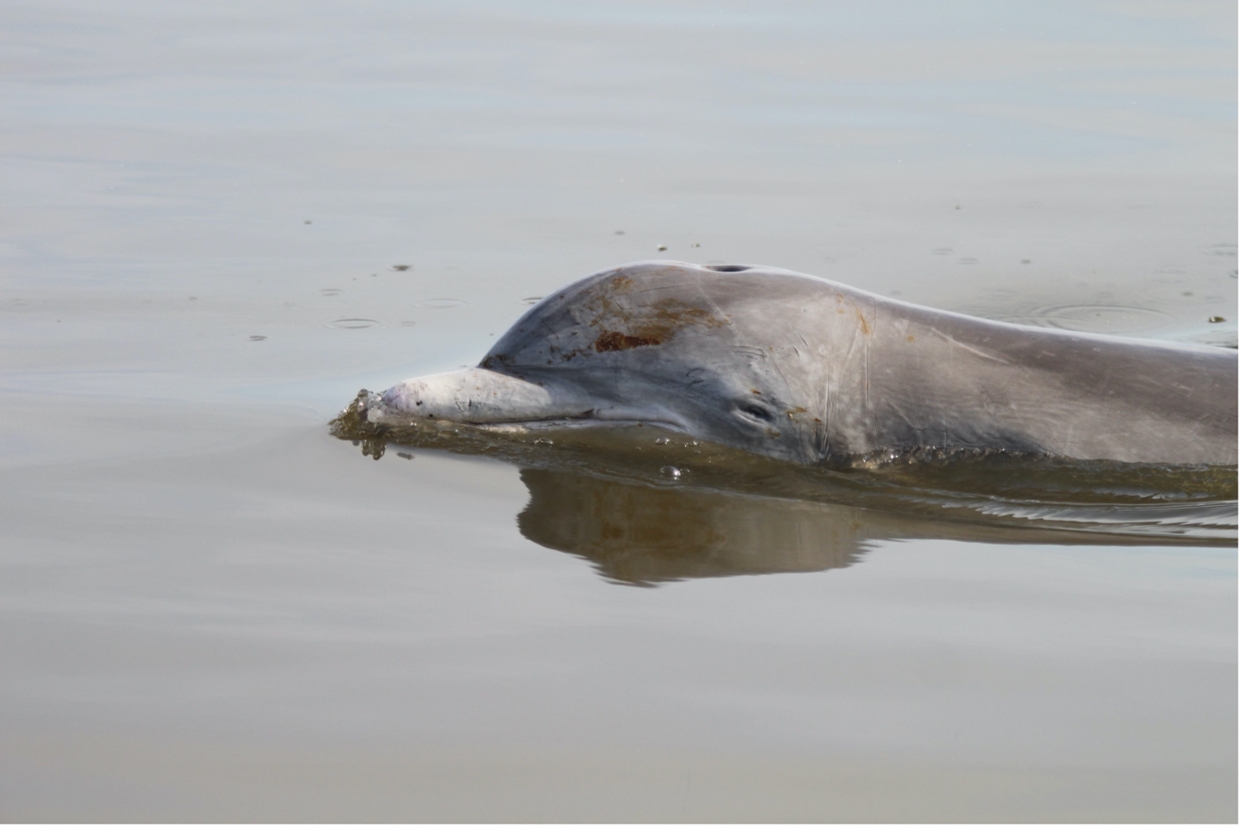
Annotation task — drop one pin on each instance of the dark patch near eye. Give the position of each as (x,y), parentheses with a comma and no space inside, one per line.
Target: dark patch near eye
(611,341)
(728,267)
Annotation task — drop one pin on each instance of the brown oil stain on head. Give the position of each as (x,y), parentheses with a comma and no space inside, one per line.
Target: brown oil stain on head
(637,321)
(610,341)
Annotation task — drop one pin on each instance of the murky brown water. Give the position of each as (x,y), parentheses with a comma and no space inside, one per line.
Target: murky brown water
(220,222)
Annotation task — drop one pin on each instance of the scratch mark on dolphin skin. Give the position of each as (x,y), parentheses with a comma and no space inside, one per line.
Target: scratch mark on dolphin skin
(975,351)
(865,326)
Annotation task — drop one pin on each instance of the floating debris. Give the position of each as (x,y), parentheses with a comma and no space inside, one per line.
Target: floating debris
(401,267)
(257,338)
(662,247)
(1215,319)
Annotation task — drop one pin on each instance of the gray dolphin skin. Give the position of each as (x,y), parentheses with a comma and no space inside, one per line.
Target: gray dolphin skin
(803,369)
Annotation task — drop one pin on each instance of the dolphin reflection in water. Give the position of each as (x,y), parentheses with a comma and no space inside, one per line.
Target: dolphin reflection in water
(640,534)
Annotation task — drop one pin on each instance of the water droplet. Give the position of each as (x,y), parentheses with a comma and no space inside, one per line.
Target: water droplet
(672,473)
(695,245)
(967,261)
(543,442)
(308,222)
(941,251)
(619,232)
(330,291)
(408,323)
(533,299)
(663,440)
(257,338)
(353,323)
(407,456)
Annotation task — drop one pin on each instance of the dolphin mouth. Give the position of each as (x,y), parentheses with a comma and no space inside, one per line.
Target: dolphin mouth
(584,423)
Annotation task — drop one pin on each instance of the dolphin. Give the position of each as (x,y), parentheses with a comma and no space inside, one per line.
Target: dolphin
(802,369)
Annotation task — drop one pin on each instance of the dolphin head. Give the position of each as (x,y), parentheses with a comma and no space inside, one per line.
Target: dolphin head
(679,346)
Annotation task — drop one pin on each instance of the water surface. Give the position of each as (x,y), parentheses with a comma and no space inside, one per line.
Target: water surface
(220,222)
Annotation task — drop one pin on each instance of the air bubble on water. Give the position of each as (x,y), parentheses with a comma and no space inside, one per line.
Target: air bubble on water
(672,473)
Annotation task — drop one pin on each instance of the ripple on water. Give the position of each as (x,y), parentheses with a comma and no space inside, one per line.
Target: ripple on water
(441,303)
(353,323)
(1094,318)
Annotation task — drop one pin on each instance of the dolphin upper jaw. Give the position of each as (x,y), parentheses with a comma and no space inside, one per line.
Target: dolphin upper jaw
(487,398)
(480,396)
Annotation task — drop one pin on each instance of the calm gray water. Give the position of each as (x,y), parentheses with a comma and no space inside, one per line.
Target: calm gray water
(217,222)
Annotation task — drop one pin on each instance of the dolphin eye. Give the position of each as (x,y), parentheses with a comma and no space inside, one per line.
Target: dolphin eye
(757,411)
